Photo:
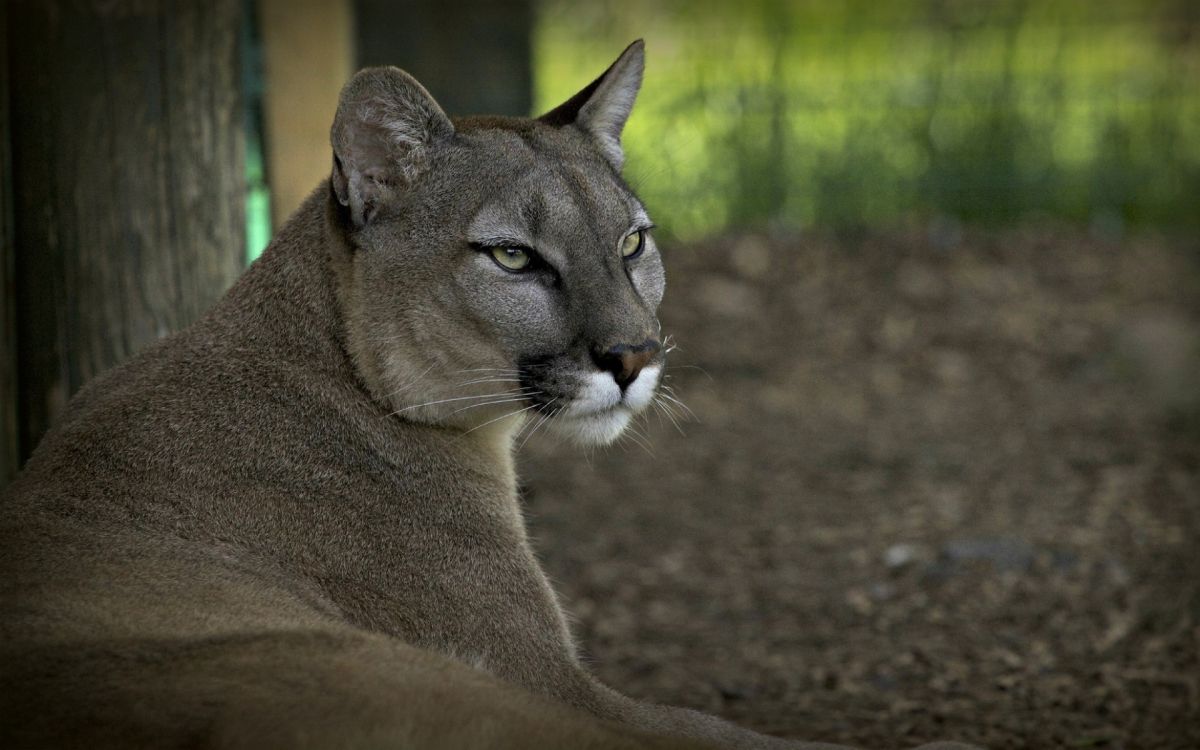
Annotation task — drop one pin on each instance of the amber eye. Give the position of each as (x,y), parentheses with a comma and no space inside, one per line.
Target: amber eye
(511,258)
(632,244)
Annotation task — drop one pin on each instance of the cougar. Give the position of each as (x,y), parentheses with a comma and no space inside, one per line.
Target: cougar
(295,523)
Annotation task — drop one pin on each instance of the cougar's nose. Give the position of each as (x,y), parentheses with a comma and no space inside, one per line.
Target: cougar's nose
(625,361)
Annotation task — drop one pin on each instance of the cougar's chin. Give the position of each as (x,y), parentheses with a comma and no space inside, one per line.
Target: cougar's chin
(597,428)
(600,411)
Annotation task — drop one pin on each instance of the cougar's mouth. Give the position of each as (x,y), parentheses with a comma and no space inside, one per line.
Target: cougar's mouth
(589,408)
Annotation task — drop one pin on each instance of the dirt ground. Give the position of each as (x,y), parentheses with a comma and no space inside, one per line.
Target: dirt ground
(939,486)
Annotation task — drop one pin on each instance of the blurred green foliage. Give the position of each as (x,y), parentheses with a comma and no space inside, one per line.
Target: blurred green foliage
(845,114)
(258,192)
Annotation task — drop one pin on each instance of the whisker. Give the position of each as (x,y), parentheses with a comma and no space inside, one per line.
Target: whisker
(486,380)
(657,412)
(502,416)
(521,397)
(536,425)
(525,430)
(411,382)
(544,419)
(692,367)
(671,402)
(661,409)
(682,405)
(447,400)
(638,437)
(507,370)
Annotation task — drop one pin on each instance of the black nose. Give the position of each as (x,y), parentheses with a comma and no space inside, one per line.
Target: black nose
(625,361)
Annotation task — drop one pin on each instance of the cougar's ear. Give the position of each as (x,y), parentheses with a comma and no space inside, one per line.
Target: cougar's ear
(385,125)
(602,108)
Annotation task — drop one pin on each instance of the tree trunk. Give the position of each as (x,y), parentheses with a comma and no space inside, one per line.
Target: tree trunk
(9,455)
(127,141)
(474,56)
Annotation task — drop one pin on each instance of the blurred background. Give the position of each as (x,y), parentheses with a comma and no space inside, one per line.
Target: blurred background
(930,467)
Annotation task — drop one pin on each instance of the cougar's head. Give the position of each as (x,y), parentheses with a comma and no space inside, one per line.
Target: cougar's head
(497,269)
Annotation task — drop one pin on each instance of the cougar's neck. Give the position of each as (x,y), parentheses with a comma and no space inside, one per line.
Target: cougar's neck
(496,442)
(290,307)
(285,305)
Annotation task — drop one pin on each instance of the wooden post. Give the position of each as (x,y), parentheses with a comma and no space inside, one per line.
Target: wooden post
(9,452)
(307,57)
(127,142)
(474,56)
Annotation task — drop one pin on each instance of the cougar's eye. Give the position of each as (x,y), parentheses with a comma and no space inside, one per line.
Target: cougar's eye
(631,246)
(511,258)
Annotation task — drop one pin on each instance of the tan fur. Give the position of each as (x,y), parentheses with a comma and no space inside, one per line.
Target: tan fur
(246,537)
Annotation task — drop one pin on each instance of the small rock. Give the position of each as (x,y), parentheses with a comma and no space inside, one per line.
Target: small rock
(1004,553)
(881,591)
(901,555)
